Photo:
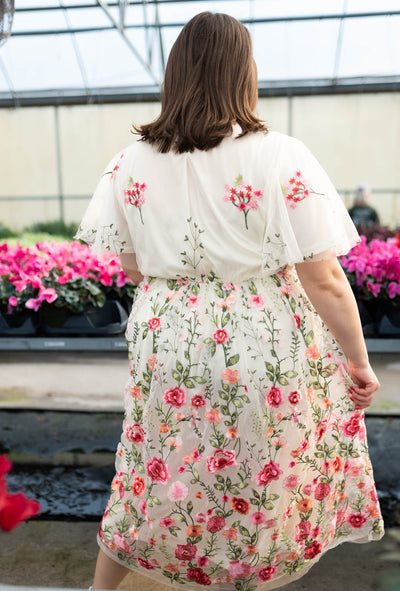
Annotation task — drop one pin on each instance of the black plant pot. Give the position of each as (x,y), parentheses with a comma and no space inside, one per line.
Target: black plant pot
(370,313)
(22,324)
(111,319)
(389,324)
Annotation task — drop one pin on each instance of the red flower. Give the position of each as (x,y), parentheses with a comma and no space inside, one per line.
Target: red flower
(185,551)
(320,430)
(240,505)
(220,336)
(352,427)
(215,523)
(298,321)
(356,520)
(15,509)
(322,490)
(175,397)
(5,466)
(302,530)
(294,397)
(274,397)
(220,459)
(271,471)
(154,323)
(264,574)
(312,550)
(134,433)
(198,401)
(145,563)
(157,470)
(138,486)
(199,576)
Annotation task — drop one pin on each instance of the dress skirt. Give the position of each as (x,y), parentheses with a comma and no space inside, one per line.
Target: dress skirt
(242,459)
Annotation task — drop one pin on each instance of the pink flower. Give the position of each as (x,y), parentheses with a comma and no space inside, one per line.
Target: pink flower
(294,397)
(157,470)
(291,482)
(167,522)
(231,376)
(198,401)
(122,544)
(219,460)
(145,563)
(257,518)
(200,517)
(240,569)
(270,523)
(303,529)
(175,396)
(274,397)
(322,490)
(154,323)
(312,550)
(215,524)
(178,491)
(256,301)
(270,472)
(185,552)
(134,433)
(266,573)
(220,336)
(199,576)
(202,560)
(352,427)
(193,301)
(356,520)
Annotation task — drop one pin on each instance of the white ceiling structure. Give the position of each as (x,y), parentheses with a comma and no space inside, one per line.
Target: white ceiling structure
(83,51)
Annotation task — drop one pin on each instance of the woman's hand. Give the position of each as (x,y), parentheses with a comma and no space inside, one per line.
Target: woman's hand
(366,385)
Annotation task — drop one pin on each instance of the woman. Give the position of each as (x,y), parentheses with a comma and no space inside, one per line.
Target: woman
(243,455)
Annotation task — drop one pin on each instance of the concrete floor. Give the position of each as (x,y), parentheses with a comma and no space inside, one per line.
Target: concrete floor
(63,554)
(95,381)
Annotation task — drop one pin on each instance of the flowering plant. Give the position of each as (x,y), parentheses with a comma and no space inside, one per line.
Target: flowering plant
(373,269)
(14,508)
(67,274)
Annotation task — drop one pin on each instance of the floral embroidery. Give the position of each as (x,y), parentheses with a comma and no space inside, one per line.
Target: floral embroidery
(194,255)
(116,167)
(243,196)
(135,195)
(297,189)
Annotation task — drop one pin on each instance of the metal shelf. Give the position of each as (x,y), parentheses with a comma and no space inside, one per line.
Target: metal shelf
(389,345)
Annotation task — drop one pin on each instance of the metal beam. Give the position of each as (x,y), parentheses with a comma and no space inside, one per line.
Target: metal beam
(179,25)
(121,30)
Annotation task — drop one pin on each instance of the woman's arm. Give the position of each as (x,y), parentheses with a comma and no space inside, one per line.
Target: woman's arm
(130,268)
(329,291)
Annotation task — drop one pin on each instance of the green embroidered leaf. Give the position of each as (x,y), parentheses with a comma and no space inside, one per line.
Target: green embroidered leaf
(244,531)
(269,367)
(218,486)
(238,179)
(273,496)
(195,474)
(232,360)
(252,288)
(309,337)
(225,410)
(225,320)
(208,341)
(176,375)
(332,367)
(290,374)
(170,284)
(195,289)
(238,403)
(245,398)
(213,348)
(325,374)
(199,379)
(220,478)
(293,304)
(189,507)
(179,366)
(145,332)
(189,383)
(223,395)
(283,381)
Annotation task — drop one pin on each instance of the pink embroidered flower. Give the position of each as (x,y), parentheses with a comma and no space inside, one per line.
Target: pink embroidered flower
(220,459)
(356,520)
(134,195)
(291,482)
(154,323)
(274,397)
(215,523)
(322,490)
(198,401)
(178,491)
(167,522)
(185,551)
(294,397)
(193,301)
(256,301)
(202,560)
(297,189)
(134,433)
(198,576)
(175,396)
(242,196)
(122,544)
(352,427)
(231,376)
(157,470)
(312,550)
(257,518)
(270,472)
(116,167)
(303,529)
(145,563)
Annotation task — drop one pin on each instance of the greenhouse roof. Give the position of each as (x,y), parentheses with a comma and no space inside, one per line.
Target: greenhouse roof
(85,51)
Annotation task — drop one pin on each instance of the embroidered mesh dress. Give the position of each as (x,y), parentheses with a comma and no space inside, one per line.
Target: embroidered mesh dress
(241,459)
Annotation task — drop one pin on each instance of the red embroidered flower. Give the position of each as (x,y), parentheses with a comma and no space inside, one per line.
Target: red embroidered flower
(220,336)
(145,563)
(154,323)
(175,397)
(185,551)
(320,430)
(303,529)
(220,459)
(297,189)
(134,433)
(138,486)
(240,505)
(199,576)
(134,195)
(270,472)
(265,573)
(356,520)
(322,490)
(312,550)
(157,470)
(352,427)
(274,397)
(198,401)
(298,321)
(215,523)
(294,397)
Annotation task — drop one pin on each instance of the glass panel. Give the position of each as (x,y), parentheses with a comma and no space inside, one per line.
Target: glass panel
(38,21)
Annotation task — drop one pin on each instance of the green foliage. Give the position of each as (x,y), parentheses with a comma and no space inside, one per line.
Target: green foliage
(54,228)
(6,232)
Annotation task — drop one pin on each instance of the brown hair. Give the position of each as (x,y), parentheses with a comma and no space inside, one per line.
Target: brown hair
(210,81)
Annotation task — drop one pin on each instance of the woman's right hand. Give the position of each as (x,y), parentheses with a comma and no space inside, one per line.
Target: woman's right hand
(365,386)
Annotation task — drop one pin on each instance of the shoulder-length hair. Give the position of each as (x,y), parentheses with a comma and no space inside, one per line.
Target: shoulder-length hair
(210,82)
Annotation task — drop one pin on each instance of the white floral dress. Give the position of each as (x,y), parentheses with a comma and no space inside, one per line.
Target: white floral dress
(241,459)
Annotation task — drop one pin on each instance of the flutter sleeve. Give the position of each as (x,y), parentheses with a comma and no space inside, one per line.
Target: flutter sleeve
(104,224)
(307,219)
